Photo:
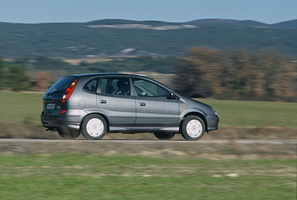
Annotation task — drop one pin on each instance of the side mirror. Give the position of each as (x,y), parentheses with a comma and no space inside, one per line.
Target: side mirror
(173,96)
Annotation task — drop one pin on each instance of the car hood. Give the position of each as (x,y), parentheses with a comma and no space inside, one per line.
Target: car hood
(192,103)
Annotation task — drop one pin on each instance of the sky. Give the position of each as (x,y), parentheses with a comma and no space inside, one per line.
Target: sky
(48,11)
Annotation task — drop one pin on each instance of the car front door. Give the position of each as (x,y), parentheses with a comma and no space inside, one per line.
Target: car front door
(115,100)
(155,106)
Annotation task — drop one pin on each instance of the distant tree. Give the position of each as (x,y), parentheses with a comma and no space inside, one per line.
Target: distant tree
(42,80)
(46,63)
(248,75)
(254,75)
(278,73)
(2,73)
(18,80)
(185,80)
(203,72)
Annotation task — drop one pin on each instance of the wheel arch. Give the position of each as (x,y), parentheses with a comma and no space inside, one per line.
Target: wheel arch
(198,115)
(96,113)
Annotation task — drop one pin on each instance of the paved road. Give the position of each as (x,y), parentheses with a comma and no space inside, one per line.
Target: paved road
(222,141)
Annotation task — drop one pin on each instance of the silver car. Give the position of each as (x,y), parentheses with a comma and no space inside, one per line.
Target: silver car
(95,104)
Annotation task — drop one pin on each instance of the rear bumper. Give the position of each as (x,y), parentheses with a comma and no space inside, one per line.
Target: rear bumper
(60,121)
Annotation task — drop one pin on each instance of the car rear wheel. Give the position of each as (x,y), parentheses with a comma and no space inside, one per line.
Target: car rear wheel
(67,134)
(94,127)
(164,135)
(193,128)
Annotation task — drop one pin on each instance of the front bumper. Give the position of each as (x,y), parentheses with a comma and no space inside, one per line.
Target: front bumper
(212,122)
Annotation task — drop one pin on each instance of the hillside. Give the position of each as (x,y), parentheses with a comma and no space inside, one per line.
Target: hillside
(126,37)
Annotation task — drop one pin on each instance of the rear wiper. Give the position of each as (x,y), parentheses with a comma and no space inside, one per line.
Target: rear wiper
(54,92)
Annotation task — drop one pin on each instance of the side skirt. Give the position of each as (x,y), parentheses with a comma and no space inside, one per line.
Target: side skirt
(132,130)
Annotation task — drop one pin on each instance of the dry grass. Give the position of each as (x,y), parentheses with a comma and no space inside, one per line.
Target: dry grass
(148,145)
(144,148)
(31,130)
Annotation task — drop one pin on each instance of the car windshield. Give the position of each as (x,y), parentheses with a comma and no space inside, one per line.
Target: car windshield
(61,85)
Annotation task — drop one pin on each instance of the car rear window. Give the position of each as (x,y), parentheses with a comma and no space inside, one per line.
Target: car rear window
(91,86)
(62,84)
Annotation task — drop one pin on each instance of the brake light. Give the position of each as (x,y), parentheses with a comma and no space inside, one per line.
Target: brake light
(69,90)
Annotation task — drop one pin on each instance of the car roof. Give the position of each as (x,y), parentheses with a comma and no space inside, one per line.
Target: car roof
(107,73)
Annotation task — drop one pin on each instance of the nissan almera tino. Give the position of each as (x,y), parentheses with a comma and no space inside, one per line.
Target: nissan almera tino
(95,104)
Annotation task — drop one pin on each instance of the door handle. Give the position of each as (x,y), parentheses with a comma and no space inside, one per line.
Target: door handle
(102,101)
(142,104)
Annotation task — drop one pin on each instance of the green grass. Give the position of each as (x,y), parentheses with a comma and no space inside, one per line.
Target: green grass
(19,107)
(255,113)
(73,176)
(69,176)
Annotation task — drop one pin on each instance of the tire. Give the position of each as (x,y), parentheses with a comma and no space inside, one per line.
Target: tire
(93,127)
(192,128)
(164,135)
(67,134)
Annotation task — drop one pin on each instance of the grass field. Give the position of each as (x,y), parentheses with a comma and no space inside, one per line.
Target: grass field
(68,176)
(20,118)
(160,170)
(20,107)
(17,107)
(255,113)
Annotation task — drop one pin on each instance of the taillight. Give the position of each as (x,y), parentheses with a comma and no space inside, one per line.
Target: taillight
(69,90)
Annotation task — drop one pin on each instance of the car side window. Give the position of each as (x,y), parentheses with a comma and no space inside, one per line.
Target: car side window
(91,86)
(115,85)
(147,88)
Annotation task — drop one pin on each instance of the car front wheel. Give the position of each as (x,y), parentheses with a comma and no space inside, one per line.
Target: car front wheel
(193,128)
(94,127)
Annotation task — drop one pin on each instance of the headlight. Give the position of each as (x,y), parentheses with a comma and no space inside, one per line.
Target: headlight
(214,110)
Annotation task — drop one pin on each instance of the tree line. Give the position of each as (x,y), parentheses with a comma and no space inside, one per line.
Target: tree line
(39,73)
(237,74)
(201,72)
(14,77)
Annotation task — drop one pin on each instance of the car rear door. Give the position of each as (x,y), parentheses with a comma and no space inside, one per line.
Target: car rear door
(115,100)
